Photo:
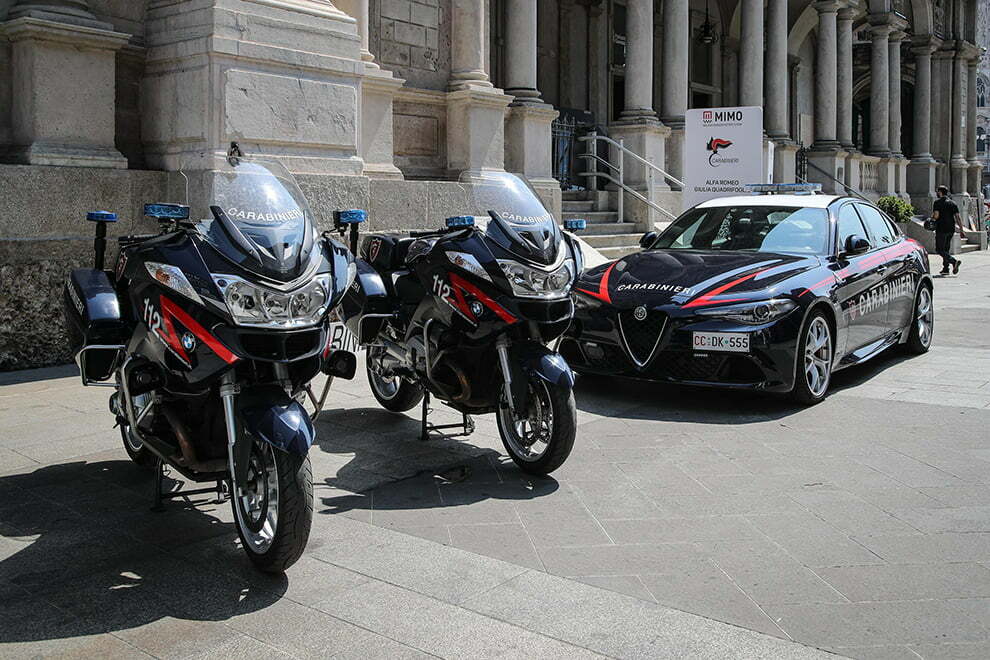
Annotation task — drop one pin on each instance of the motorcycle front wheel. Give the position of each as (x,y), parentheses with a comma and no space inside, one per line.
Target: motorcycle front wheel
(273,510)
(540,439)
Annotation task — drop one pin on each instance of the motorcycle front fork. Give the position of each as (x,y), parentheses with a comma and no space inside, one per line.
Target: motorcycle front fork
(228,390)
(502,348)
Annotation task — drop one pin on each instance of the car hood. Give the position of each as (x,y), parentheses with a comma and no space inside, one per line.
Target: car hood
(658,277)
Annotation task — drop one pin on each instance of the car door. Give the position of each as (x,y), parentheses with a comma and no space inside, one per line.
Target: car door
(899,281)
(859,277)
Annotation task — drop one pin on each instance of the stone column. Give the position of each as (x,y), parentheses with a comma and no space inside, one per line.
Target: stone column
(880,87)
(639,60)
(528,121)
(958,162)
(638,125)
(776,92)
(894,92)
(751,53)
(975,167)
(467,45)
(520,51)
(475,109)
(921,169)
(674,87)
(844,78)
(63,81)
(826,160)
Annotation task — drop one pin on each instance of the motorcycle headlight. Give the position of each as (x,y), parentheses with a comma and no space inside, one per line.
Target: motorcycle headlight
(250,304)
(173,278)
(530,282)
(753,313)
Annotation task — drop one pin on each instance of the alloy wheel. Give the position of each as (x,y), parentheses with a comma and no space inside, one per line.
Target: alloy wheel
(257,506)
(818,356)
(529,435)
(925,316)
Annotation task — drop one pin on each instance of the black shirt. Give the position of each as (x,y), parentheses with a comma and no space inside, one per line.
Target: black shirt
(947,210)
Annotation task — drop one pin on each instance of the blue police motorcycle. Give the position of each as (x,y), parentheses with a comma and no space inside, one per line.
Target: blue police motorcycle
(210,333)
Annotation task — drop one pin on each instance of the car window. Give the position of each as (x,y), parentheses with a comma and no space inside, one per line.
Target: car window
(881,233)
(756,228)
(849,225)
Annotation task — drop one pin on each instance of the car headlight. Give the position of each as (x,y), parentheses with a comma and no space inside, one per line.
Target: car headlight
(533,283)
(250,304)
(173,278)
(754,313)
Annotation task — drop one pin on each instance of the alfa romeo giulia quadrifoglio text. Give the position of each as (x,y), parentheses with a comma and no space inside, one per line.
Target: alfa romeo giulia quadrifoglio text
(770,292)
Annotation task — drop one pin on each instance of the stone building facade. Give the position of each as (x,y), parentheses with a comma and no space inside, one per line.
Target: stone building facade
(381,104)
(983,94)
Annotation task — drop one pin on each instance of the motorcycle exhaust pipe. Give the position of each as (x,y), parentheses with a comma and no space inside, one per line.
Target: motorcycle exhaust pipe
(189,459)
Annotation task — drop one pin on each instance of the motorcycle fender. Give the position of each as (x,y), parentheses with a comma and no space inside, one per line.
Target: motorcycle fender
(534,360)
(269,414)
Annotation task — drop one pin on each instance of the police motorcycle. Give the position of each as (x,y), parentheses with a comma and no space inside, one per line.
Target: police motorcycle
(210,333)
(465,314)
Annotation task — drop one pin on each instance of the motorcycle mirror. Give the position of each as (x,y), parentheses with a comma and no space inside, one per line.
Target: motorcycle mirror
(341,364)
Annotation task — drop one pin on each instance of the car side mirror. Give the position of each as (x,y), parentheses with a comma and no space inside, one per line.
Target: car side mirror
(856,244)
(647,239)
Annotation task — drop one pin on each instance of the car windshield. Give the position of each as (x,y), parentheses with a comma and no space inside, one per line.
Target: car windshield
(778,229)
(254,213)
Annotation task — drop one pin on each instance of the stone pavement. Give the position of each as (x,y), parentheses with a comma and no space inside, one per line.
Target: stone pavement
(860,526)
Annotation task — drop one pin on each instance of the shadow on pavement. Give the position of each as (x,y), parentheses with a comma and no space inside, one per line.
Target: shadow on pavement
(81,554)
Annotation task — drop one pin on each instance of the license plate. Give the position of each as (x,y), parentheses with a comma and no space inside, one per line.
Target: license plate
(734,342)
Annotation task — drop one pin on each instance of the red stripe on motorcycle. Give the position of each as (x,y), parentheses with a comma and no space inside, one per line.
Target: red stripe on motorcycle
(459,284)
(169,308)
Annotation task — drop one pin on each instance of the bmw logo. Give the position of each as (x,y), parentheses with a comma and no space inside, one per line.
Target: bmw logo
(639,313)
(188,341)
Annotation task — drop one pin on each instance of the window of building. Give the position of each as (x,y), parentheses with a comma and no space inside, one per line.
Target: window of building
(981,140)
(981,93)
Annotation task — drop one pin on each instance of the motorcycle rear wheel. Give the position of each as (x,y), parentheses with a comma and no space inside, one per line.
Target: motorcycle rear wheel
(136,450)
(540,442)
(396,393)
(274,512)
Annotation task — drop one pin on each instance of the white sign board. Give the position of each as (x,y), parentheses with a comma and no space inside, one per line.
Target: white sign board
(723,151)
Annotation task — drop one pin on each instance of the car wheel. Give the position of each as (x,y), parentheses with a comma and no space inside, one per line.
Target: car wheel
(922,322)
(814,361)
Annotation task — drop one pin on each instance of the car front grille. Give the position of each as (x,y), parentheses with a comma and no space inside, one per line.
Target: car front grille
(641,337)
(706,367)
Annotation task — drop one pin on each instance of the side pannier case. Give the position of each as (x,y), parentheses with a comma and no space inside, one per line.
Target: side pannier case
(97,332)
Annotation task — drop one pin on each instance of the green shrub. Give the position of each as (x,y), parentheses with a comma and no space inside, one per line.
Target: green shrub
(896,208)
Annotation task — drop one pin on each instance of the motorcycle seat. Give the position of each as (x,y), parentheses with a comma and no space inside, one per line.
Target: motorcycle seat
(386,253)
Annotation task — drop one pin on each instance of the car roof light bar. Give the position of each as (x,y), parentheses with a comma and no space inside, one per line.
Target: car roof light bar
(784,188)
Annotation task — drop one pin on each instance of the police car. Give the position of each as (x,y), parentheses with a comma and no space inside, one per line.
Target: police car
(773,291)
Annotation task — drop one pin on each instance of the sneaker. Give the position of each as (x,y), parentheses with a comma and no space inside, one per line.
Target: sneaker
(943,272)
(955,267)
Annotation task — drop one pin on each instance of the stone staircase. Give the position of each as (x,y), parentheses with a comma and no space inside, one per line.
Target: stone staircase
(605,233)
(965,245)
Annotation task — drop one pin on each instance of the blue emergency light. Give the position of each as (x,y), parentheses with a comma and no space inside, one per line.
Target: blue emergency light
(101,216)
(784,188)
(575,224)
(167,211)
(350,217)
(460,221)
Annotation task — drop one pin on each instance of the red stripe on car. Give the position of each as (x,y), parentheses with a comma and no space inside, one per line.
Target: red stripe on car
(707,298)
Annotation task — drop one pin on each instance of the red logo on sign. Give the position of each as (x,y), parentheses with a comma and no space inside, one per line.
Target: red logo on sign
(706,115)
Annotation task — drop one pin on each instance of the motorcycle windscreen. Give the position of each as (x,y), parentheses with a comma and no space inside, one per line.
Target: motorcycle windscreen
(255,215)
(520,224)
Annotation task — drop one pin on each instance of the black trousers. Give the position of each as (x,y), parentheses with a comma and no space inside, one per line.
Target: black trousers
(943,248)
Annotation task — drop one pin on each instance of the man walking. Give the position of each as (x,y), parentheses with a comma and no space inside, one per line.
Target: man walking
(947,219)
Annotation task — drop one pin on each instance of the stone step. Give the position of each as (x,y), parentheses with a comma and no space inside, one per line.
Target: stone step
(581,206)
(591,216)
(575,195)
(599,228)
(618,252)
(969,247)
(611,240)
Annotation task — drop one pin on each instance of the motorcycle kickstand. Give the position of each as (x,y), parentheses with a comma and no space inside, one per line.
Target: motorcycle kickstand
(425,429)
(157,505)
(466,426)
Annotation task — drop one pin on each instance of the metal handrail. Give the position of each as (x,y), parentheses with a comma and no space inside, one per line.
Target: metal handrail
(635,193)
(592,156)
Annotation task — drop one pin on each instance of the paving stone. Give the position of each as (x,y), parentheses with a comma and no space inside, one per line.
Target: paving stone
(886,652)
(926,621)
(930,548)
(617,559)
(565,529)
(949,519)
(975,651)
(827,625)
(679,530)
(169,637)
(506,541)
(630,585)
(778,580)
(905,582)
